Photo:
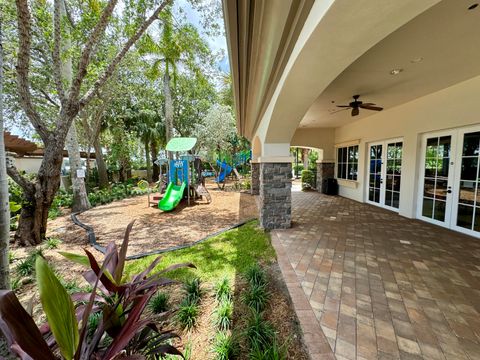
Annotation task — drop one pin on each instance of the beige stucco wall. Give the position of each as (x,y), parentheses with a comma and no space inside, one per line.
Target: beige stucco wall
(29,165)
(452,107)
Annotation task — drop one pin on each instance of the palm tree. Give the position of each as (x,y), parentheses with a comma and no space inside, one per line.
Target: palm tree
(177,45)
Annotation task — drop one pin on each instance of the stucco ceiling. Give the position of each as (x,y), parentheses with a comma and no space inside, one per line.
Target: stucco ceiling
(446,38)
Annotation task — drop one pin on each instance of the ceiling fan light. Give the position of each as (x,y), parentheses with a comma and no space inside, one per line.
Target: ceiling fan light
(395,71)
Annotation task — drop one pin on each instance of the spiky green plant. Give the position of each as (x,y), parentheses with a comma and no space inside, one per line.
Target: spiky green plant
(259,332)
(159,303)
(223,290)
(256,297)
(224,314)
(52,243)
(275,351)
(193,289)
(255,275)
(187,314)
(225,346)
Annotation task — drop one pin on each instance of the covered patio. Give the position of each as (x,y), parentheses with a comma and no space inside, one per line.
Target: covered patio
(382,285)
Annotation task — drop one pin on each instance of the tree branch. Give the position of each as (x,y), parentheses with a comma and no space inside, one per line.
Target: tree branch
(111,67)
(23,68)
(48,98)
(12,171)
(95,36)
(57,65)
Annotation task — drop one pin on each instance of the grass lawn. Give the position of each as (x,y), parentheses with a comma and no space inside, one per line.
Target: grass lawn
(225,255)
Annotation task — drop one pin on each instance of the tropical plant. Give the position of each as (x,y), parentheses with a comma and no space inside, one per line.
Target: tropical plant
(223,290)
(255,275)
(256,297)
(260,333)
(188,313)
(159,303)
(225,346)
(52,243)
(121,304)
(223,315)
(193,289)
(274,351)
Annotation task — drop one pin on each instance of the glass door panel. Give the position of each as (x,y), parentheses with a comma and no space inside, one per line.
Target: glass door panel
(384,173)
(467,215)
(394,171)
(375,173)
(436,176)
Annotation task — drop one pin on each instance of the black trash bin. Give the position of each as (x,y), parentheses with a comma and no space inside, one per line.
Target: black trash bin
(330,186)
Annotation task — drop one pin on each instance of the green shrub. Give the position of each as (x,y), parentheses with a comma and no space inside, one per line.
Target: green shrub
(259,332)
(93,322)
(26,267)
(187,314)
(308,180)
(225,346)
(15,283)
(274,351)
(159,303)
(256,297)
(52,243)
(11,256)
(223,290)
(255,275)
(223,315)
(193,289)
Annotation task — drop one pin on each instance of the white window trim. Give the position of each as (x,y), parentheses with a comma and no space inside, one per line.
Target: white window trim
(342,181)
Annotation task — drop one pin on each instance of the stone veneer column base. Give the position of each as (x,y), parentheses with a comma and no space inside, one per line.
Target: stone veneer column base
(325,170)
(275,195)
(255,185)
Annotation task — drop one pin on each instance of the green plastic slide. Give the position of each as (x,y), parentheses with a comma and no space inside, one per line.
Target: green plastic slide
(173,195)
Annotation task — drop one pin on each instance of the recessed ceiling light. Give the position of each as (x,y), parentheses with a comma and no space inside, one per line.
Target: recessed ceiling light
(416,60)
(396,71)
(473,6)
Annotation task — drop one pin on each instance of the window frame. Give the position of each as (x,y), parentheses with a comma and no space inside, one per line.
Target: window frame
(343,162)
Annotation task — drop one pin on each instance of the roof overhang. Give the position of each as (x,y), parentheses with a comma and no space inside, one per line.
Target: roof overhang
(260,37)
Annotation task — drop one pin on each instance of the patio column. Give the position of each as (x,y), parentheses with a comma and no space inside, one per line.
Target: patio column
(275,192)
(255,185)
(325,170)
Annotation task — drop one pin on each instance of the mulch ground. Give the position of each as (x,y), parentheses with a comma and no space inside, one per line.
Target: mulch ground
(155,229)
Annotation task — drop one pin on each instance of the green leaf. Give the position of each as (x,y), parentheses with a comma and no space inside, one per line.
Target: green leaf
(79,259)
(59,309)
(14,207)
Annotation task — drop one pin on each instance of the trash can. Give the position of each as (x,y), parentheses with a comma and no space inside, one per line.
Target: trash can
(330,186)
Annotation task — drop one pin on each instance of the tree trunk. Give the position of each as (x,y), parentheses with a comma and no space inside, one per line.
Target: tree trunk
(38,196)
(80,198)
(305,158)
(168,110)
(147,158)
(155,167)
(4,196)
(101,167)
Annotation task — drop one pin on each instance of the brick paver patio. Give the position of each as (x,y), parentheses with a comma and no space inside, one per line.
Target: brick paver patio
(383,286)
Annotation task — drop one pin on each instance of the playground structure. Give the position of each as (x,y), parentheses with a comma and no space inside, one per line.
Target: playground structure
(229,165)
(184,176)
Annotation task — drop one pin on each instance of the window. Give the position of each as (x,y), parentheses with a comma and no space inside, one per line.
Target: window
(347,162)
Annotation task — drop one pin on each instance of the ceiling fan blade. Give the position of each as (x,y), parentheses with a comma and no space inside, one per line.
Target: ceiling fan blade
(355,111)
(336,111)
(343,106)
(369,107)
(369,104)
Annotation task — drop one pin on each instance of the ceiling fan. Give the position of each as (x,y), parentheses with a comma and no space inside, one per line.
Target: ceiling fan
(356,104)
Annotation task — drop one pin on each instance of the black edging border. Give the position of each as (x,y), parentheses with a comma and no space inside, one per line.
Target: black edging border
(92,240)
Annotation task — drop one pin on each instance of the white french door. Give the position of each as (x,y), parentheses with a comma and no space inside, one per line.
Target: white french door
(449,183)
(384,173)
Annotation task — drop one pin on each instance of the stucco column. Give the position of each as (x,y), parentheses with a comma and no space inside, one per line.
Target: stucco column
(325,170)
(275,193)
(255,181)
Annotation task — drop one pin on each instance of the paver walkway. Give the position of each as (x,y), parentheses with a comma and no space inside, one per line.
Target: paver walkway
(383,286)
